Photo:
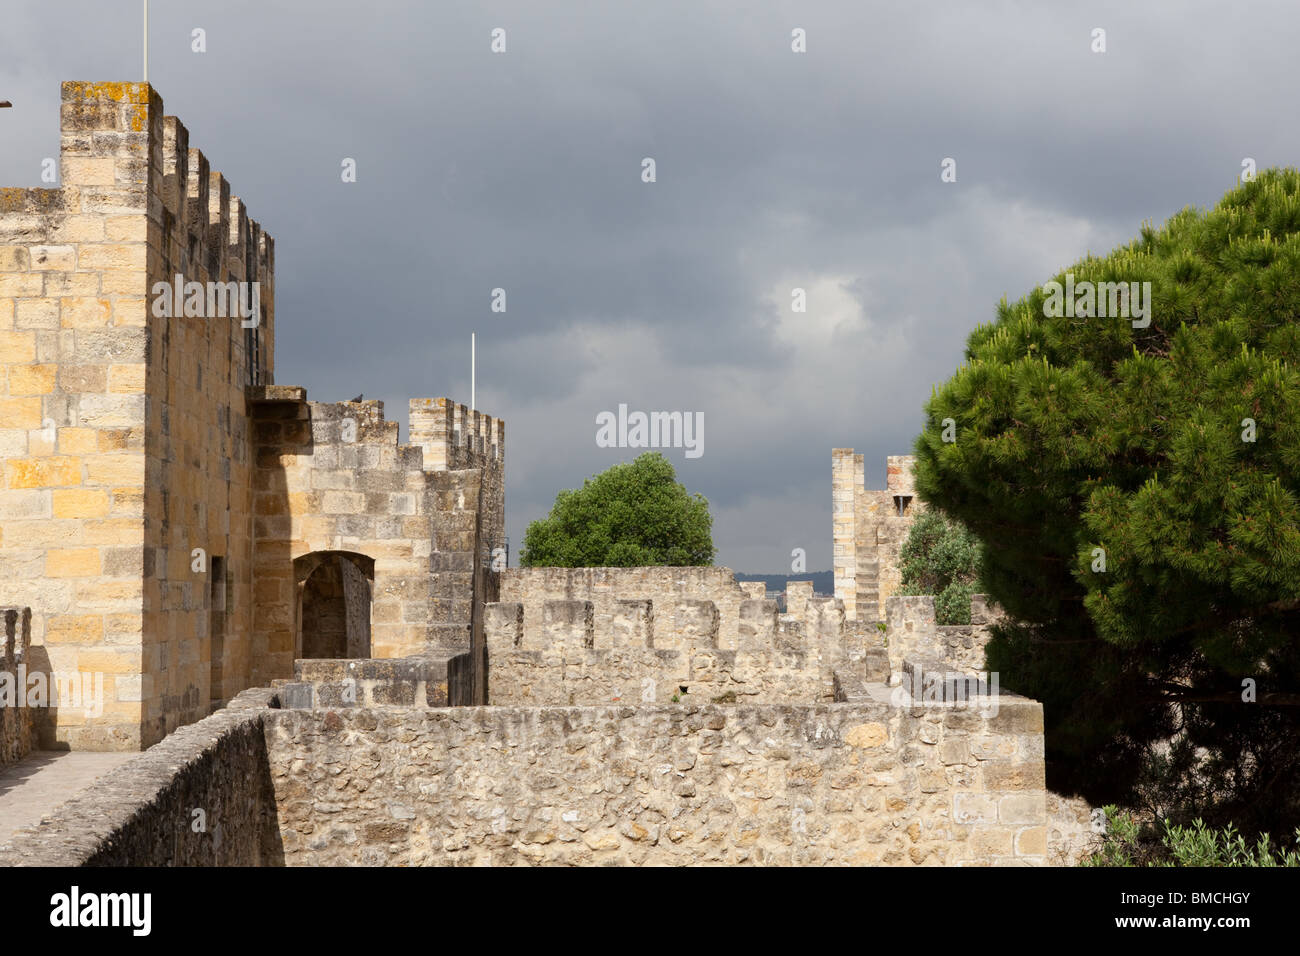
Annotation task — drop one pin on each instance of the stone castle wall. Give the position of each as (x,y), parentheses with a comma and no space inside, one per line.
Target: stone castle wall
(603,635)
(198,481)
(333,478)
(664,587)
(563,668)
(400,682)
(142,812)
(870,781)
(860,783)
(912,633)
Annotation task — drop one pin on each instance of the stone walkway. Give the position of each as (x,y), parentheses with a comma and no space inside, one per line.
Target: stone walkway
(42,781)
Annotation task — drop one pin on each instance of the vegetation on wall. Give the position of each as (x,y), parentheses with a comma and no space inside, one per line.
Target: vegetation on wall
(1127,843)
(942,558)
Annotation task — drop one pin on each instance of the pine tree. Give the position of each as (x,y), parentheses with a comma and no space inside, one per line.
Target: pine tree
(1136,482)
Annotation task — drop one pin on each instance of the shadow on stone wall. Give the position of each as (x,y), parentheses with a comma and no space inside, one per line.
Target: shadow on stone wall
(22,669)
(201,797)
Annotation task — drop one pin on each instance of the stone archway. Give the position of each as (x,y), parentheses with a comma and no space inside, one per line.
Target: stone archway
(332,609)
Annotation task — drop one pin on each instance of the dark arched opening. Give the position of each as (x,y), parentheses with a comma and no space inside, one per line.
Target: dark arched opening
(333,605)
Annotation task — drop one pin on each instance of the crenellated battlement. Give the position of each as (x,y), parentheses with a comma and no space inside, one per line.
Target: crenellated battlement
(118,148)
(435,446)
(912,632)
(141,202)
(596,635)
(333,478)
(675,624)
(455,437)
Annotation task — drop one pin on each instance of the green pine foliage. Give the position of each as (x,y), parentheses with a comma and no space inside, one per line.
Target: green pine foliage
(632,515)
(942,558)
(1083,440)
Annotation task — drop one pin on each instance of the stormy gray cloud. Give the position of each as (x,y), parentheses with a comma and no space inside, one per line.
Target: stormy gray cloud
(775,170)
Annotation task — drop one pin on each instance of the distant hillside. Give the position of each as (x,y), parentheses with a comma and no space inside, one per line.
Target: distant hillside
(823,581)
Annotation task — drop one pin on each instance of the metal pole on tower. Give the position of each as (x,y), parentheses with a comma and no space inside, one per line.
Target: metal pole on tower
(472,405)
(146,41)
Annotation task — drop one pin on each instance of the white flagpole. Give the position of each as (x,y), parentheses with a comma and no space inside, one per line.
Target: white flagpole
(146,41)
(471,371)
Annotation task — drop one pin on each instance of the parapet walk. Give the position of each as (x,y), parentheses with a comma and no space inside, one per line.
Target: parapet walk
(787,748)
(860,782)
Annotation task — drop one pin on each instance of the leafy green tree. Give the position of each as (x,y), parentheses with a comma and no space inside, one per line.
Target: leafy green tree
(633,515)
(1137,490)
(942,558)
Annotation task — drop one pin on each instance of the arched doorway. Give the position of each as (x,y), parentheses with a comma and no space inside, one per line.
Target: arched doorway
(333,604)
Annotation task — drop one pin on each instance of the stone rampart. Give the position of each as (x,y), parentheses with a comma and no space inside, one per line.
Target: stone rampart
(589,636)
(869,782)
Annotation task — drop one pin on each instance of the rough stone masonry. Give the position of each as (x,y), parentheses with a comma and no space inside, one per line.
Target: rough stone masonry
(867,780)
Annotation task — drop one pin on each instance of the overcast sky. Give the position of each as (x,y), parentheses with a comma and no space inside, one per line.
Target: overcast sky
(775,170)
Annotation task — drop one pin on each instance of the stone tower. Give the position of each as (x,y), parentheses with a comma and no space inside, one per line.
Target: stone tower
(170,516)
(868,530)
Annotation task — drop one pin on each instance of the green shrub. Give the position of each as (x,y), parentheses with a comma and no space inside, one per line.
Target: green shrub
(942,558)
(1129,844)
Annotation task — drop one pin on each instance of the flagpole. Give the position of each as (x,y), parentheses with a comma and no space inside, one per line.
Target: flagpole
(146,41)
(472,405)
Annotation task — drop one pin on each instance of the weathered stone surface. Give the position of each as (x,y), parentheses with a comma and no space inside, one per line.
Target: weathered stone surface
(638,785)
(586,636)
(1074,830)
